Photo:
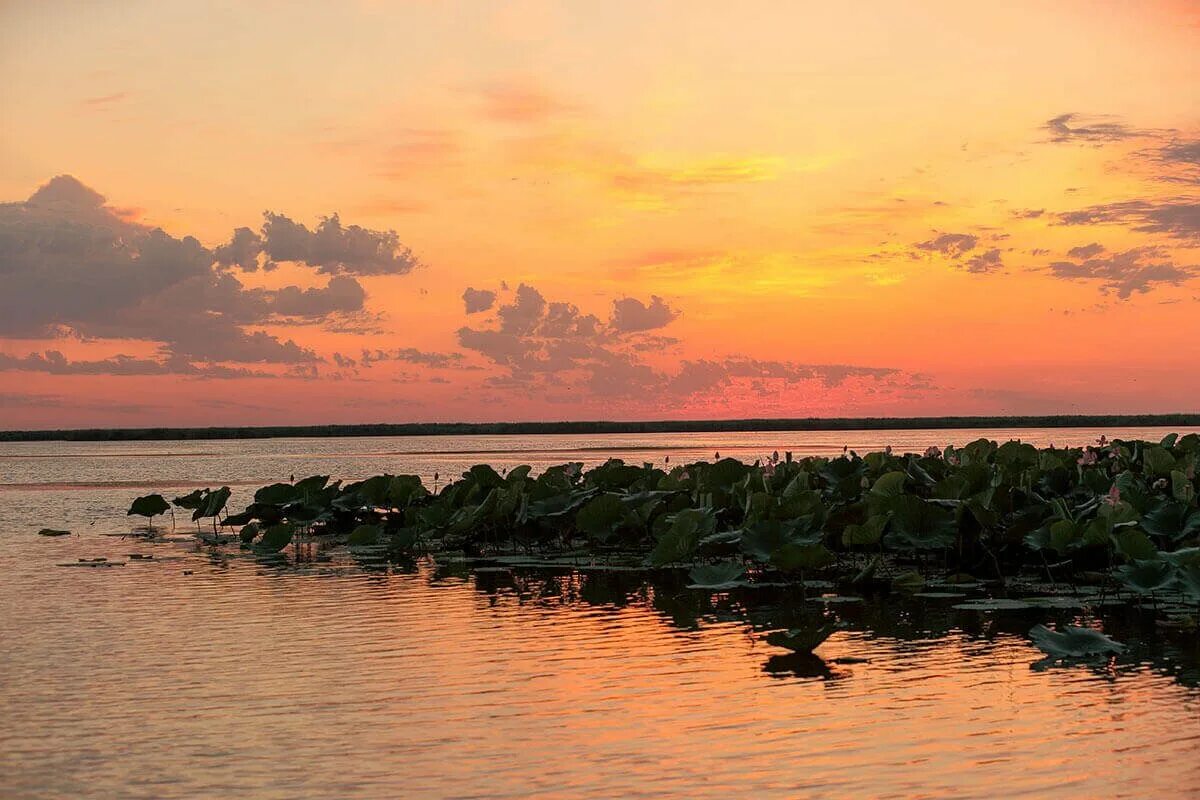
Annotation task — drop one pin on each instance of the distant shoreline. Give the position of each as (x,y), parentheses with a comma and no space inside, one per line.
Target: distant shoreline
(649,426)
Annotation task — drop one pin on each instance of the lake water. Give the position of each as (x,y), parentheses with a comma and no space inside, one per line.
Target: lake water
(207,674)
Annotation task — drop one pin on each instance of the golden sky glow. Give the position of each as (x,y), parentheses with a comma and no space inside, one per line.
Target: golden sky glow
(716,210)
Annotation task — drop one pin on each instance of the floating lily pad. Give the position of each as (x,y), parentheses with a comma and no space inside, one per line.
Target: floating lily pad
(801,640)
(994,604)
(53,532)
(1073,642)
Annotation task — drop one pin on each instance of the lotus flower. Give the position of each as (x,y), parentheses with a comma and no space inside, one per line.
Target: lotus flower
(933,451)
(1088,458)
(1114,496)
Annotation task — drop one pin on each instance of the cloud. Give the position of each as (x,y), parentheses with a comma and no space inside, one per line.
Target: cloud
(1086,251)
(1089,129)
(1135,271)
(554,348)
(342,294)
(54,362)
(71,263)
(985,262)
(478,300)
(951,245)
(1179,217)
(410,355)
(630,314)
(521,102)
(334,248)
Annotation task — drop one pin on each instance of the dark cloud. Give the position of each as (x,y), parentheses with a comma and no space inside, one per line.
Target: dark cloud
(241,251)
(1086,251)
(988,261)
(54,362)
(630,314)
(478,300)
(1172,160)
(1135,271)
(951,245)
(410,355)
(1179,217)
(334,248)
(70,262)
(342,295)
(1075,128)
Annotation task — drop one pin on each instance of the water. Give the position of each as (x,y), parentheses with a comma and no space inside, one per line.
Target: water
(328,679)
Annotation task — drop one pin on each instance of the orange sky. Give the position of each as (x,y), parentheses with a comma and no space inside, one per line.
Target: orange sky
(716,210)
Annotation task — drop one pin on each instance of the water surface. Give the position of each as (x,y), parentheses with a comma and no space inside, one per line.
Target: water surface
(331,678)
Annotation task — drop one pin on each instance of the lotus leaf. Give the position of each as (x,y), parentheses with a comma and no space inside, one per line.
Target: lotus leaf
(1073,642)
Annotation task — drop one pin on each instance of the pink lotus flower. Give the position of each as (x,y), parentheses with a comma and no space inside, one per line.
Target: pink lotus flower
(1103,440)
(1088,458)
(933,451)
(888,449)
(1114,496)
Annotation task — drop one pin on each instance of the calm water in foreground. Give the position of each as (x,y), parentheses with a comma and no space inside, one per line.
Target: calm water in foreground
(333,678)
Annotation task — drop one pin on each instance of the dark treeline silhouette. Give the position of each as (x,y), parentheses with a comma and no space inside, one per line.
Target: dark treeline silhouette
(1177,421)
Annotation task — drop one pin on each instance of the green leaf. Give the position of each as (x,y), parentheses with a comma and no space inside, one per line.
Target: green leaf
(802,640)
(149,506)
(1173,520)
(721,576)
(1157,461)
(248,532)
(1147,576)
(920,525)
(277,494)
(214,503)
(191,500)
(794,557)
(679,542)
(603,515)
(53,532)
(1073,642)
(909,582)
(870,532)
(1134,544)
(364,535)
(275,538)
(1182,489)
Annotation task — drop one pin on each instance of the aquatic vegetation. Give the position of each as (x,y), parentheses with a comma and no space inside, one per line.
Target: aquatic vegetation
(1073,642)
(53,532)
(940,523)
(149,506)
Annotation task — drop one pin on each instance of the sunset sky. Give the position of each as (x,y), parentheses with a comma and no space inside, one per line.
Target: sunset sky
(283,213)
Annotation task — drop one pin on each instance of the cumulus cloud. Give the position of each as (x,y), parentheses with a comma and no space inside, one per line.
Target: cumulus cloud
(71,263)
(478,300)
(334,248)
(1130,272)
(552,346)
(951,245)
(630,314)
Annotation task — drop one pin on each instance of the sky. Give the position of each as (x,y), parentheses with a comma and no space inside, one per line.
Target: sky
(257,213)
